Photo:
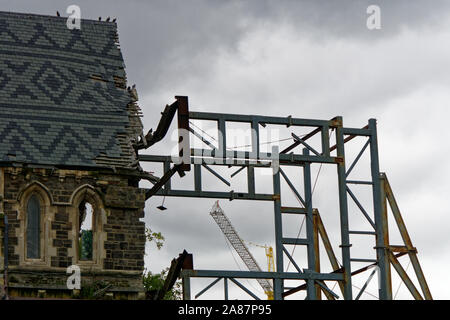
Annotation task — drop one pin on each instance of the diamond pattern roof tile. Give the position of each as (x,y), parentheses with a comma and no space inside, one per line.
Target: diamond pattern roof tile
(59,103)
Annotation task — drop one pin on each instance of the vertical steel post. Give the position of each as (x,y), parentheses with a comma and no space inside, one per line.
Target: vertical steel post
(325,141)
(385,291)
(278,283)
(186,285)
(251,180)
(255,138)
(197,177)
(343,210)
(317,252)
(225,288)
(310,288)
(222,137)
(384,213)
(168,184)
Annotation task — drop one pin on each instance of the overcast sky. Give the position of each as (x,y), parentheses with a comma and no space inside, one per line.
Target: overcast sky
(308,59)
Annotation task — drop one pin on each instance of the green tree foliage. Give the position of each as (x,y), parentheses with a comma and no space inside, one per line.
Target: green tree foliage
(155,237)
(85,246)
(153,282)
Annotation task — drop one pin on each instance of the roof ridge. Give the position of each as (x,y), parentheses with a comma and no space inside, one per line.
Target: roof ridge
(12,13)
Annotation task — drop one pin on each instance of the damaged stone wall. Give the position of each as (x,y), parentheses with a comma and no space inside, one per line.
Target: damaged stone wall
(118,234)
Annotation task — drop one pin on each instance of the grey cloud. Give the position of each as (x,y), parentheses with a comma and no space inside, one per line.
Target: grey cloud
(175,47)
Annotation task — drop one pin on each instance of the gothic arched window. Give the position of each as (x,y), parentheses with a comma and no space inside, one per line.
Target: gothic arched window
(33,233)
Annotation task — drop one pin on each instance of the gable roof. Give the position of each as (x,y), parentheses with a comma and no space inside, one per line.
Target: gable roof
(63,95)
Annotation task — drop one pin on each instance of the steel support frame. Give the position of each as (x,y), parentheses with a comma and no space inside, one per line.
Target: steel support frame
(314,226)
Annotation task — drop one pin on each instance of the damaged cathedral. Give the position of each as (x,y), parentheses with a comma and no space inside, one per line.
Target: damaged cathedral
(70,131)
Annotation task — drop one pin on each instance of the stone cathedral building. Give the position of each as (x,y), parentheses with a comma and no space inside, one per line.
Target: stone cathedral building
(69,173)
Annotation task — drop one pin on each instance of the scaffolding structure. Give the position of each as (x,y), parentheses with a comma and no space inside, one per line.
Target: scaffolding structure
(322,151)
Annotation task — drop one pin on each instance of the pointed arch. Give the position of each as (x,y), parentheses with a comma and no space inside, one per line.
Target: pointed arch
(35,186)
(85,191)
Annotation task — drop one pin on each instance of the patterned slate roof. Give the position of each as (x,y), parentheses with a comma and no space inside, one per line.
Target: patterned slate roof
(63,96)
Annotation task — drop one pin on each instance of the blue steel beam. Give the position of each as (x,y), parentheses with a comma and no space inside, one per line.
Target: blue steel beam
(166,168)
(278,282)
(240,285)
(209,286)
(310,287)
(296,241)
(288,121)
(361,208)
(231,195)
(325,287)
(307,136)
(357,132)
(237,171)
(255,138)
(351,132)
(262,275)
(251,180)
(197,177)
(292,260)
(225,288)
(359,182)
(366,284)
(222,136)
(373,233)
(343,211)
(297,138)
(325,141)
(293,210)
(218,176)
(186,287)
(294,190)
(357,158)
(205,141)
(385,290)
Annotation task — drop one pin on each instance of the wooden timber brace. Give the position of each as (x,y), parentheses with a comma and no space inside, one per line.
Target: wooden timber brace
(394,252)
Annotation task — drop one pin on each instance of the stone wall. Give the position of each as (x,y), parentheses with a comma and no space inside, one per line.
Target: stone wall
(125,243)
(119,233)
